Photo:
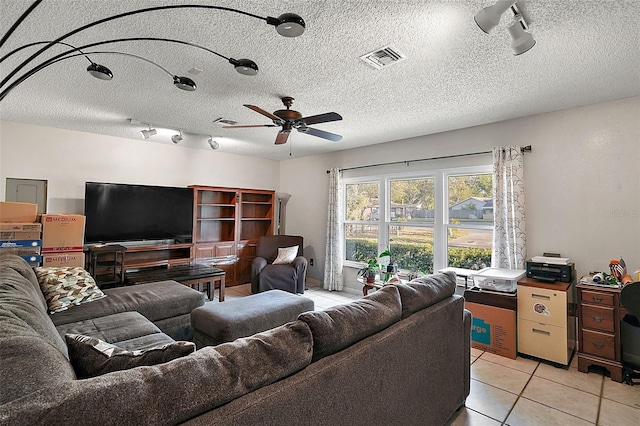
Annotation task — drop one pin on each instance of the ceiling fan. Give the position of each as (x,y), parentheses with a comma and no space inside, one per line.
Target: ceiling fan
(289,119)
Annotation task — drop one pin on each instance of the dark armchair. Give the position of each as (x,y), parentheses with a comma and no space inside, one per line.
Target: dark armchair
(267,276)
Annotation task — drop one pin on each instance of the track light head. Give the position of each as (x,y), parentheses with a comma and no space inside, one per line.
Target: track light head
(521,41)
(184,83)
(146,134)
(213,144)
(99,71)
(489,17)
(288,24)
(244,66)
(177,138)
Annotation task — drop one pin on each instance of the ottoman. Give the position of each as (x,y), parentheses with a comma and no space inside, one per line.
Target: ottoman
(216,323)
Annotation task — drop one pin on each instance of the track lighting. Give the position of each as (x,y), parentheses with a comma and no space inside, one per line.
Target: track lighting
(244,66)
(213,144)
(288,24)
(184,83)
(489,17)
(521,41)
(146,134)
(99,71)
(177,138)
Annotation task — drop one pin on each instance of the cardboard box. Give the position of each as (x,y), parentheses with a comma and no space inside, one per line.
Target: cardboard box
(62,232)
(493,329)
(33,259)
(18,212)
(70,259)
(22,227)
(21,244)
(18,235)
(20,251)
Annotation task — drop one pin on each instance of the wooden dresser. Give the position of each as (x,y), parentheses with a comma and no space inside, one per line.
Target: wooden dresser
(546,328)
(599,315)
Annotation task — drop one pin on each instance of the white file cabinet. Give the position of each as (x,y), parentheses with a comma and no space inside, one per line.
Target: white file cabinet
(545,328)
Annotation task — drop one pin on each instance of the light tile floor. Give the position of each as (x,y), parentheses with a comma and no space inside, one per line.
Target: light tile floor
(521,391)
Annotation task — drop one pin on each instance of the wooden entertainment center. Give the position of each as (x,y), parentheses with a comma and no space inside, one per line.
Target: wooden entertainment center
(227,223)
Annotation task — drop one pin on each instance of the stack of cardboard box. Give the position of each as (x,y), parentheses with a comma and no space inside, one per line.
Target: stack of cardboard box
(62,239)
(19,232)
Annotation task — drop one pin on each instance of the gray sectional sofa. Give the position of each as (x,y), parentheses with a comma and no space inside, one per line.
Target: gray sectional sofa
(398,356)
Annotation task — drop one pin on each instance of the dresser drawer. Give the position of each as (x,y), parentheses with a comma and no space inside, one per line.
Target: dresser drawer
(543,341)
(542,305)
(598,344)
(597,298)
(598,318)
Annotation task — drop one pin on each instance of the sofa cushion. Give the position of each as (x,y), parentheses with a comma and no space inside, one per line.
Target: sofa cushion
(340,326)
(64,287)
(112,328)
(28,364)
(426,291)
(22,311)
(156,301)
(92,357)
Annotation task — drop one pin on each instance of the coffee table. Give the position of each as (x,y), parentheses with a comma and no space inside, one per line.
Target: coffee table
(188,275)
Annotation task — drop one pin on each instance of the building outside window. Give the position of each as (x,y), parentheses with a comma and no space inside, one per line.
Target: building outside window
(428,220)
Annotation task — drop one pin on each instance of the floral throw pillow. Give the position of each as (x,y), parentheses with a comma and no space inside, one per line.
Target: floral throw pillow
(64,287)
(286,255)
(92,357)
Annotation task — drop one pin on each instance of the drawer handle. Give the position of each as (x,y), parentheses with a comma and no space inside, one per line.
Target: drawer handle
(546,333)
(597,318)
(597,299)
(540,296)
(598,345)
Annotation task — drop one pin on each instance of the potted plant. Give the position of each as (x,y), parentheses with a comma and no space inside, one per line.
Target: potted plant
(368,272)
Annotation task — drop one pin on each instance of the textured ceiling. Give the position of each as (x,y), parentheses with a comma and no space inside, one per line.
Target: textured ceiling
(454,75)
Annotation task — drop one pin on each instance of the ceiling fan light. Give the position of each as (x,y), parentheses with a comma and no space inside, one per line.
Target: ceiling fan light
(213,144)
(99,71)
(288,24)
(245,66)
(489,17)
(521,41)
(146,134)
(184,83)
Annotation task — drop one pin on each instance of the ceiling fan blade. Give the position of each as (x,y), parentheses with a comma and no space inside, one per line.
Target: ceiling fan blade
(282,138)
(322,118)
(249,126)
(320,133)
(263,112)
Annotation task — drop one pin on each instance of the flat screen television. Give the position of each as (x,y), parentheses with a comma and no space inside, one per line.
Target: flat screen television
(122,213)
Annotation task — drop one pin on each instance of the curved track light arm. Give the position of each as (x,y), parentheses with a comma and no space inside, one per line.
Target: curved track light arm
(269,20)
(14,51)
(62,57)
(19,21)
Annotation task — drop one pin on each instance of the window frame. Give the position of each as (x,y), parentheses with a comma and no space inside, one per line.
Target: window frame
(441,222)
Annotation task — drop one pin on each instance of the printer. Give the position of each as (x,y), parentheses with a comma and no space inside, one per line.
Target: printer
(550,272)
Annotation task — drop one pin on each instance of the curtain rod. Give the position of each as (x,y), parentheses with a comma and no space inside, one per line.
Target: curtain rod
(522,150)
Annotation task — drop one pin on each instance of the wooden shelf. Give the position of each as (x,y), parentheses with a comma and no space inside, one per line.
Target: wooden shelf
(225,221)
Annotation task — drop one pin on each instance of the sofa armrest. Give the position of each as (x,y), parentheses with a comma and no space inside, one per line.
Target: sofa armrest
(257,265)
(467,351)
(300,264)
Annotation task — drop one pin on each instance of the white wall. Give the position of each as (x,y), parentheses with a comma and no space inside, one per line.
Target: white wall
(66,159)
(582,181)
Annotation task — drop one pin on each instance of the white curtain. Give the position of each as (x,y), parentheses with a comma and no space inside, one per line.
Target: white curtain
(333,256)
(509,238)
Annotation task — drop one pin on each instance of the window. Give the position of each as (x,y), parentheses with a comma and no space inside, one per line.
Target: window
(361,220)
(428,220)
(470,224)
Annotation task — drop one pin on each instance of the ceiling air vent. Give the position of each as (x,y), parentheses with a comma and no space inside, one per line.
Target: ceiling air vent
(225,121)
(383,57)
